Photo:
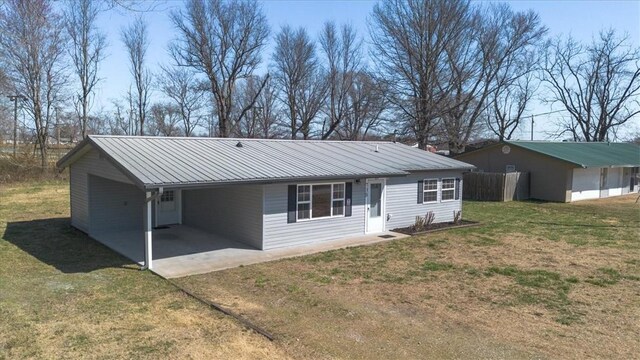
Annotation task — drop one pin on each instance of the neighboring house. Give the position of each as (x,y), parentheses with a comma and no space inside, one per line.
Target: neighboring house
(564,171)
(264,193)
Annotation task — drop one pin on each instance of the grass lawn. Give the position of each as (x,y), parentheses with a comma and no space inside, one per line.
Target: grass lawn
(62,295)
(536,280)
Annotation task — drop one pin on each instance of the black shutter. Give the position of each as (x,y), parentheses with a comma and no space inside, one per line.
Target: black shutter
(291,203)
(347,198)
(420,191)
(457,188)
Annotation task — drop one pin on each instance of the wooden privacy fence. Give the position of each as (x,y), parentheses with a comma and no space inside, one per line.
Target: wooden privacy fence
(495,186)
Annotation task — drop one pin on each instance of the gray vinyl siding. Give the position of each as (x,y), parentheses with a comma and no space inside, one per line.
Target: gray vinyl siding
(234,212)
(278,233)
(114,206)
(402,199)
(89,164)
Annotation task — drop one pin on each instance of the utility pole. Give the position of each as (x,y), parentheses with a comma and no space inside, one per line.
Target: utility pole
(15,98)
(531,127)
(57,127)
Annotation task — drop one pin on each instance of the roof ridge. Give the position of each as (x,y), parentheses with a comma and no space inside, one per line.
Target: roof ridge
(568,142)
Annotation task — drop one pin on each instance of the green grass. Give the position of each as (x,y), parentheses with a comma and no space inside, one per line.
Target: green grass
(436,266)
(593,224)
(537,286)
(605,277)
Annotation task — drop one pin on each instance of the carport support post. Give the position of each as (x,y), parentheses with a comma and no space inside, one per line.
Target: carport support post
(148,262)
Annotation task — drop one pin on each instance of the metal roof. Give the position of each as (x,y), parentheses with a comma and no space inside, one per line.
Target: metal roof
(153,162)
(586,154)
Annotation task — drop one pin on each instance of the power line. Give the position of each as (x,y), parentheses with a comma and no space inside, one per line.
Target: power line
(549,113)
(545,113)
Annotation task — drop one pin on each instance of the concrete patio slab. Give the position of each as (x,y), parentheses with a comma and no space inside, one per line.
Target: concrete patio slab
(182,250)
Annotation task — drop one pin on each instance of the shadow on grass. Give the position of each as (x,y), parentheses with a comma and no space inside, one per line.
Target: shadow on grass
(56,243)
(536,201)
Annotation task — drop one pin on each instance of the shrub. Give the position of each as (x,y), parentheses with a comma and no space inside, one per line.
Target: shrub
(419,224)
(457,216)
(428,219)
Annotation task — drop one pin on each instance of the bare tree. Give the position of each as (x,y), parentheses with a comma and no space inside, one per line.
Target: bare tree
(136,41)
(165,120)
(507,105)
(311,96)
(182,86)
(441,59)
(297,75)
(264,117)
(342,50)
(87,51)
(269,114)
(491,55)
(598,84)
(32,48)
(366,103)
(410,41)
(125,118)
(222,40)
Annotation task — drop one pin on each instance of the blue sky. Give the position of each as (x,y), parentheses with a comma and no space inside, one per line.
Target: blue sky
(581,19)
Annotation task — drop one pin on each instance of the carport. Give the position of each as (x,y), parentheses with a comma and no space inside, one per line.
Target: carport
(171,226)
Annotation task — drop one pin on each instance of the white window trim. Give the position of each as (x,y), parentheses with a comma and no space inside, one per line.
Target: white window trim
(442,189)
(310,202)
(424,182)
(164,197)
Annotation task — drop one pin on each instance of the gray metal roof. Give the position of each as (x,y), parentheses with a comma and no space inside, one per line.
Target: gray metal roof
(171,161)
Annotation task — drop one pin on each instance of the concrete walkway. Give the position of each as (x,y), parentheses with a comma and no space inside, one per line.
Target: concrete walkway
(182,251)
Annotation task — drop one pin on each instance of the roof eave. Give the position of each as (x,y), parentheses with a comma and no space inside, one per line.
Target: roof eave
(207,184)
(77,152)
(71,157)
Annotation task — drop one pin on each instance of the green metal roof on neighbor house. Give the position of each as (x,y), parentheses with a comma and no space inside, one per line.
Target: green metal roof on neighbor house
(586,154)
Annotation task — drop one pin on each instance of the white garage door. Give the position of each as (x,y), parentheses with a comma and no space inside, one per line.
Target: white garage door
(586,184)
(615,181)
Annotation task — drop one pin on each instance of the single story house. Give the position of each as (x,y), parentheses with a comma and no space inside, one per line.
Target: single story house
(564,171)
(266,194)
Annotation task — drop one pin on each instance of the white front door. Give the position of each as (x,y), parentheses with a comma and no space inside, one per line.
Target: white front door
(168,208)
(375,206)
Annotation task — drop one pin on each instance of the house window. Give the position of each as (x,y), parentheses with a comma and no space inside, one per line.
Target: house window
(430,190)
(337,200)
(304,201)
(320,201)
(448,189)
(167,196)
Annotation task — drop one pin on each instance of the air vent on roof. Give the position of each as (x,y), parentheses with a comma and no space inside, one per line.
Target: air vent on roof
(239,144)
(377,150)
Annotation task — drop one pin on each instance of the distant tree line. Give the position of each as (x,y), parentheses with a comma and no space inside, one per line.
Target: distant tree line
(439,71)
